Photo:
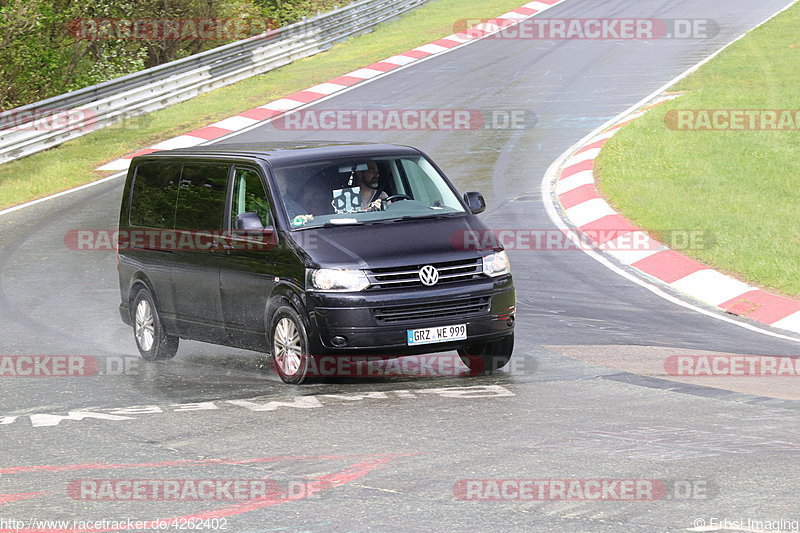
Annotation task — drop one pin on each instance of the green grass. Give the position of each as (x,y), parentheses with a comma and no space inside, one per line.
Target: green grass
(741,188)
(73,163)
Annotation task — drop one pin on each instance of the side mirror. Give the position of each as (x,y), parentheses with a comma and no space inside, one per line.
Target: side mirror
(249,221)
(249,227)
(475,202)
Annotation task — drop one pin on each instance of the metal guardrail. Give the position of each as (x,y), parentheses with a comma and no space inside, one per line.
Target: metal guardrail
(158,87)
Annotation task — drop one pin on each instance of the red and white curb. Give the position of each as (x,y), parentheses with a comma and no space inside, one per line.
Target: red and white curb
(271,110)
(584,207)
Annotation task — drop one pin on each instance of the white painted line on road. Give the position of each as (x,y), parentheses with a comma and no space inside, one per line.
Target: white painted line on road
(486,26)
(401,59)
(606,135)
(117,164)
(460,38)
(235,123)
(589,211)
(536,5)
(619,248)
(282,104)
(512,15)
(573,182)
(326,88)
(181,141)
(365,73)
(791,322)
(588,155)
(260,405)
(711,287)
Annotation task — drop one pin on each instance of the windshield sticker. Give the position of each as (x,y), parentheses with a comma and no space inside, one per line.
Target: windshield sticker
(347,200)
(301,220)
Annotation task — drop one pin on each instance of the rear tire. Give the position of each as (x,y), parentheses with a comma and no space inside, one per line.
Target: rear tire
(153,342)
(486,357)
(289,344)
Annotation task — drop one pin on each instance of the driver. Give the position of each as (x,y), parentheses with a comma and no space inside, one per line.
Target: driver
(368,181)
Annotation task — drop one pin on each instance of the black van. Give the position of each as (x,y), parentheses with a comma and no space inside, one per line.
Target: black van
(324,249)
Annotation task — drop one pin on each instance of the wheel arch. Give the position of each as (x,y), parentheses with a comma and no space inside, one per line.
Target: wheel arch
(283,294)
(140,281)
(291,295)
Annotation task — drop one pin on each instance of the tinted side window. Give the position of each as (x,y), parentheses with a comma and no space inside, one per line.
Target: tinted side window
(422,187)
(153,195)
(201,197)
(249,196)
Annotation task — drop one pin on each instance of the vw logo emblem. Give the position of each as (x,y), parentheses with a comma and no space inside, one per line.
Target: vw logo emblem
(428,275)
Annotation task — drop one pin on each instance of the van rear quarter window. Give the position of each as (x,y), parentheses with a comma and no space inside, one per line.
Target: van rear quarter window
(201,197)
(153,195)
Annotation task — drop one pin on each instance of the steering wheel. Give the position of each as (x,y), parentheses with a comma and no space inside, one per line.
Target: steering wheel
(394,197)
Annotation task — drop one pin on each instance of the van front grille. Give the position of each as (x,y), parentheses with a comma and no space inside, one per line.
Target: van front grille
(442,311)
(408,276)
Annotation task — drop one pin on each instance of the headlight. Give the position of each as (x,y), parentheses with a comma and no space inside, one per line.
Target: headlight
(496,264)
(328,279)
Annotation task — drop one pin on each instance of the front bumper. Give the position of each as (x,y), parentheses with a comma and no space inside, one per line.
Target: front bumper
(357,317)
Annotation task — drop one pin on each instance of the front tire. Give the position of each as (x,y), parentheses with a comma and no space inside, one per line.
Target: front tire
(289,342)
(153,342)
(486,357)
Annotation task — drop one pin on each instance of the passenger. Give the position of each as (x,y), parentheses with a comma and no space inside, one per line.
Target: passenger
(291,192)
(316,198)
(304,195)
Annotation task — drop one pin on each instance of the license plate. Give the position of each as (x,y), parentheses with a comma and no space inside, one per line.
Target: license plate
(440,334)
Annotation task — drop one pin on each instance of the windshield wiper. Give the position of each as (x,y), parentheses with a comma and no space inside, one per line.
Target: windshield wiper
(329,225)
(419,217)
(379,221)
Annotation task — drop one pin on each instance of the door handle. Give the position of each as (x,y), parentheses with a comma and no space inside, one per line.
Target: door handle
(221,244)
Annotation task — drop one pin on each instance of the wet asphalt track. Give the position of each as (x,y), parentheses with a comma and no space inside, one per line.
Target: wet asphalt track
(551,418)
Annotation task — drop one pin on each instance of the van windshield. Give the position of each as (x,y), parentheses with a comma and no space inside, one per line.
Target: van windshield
(363,191)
